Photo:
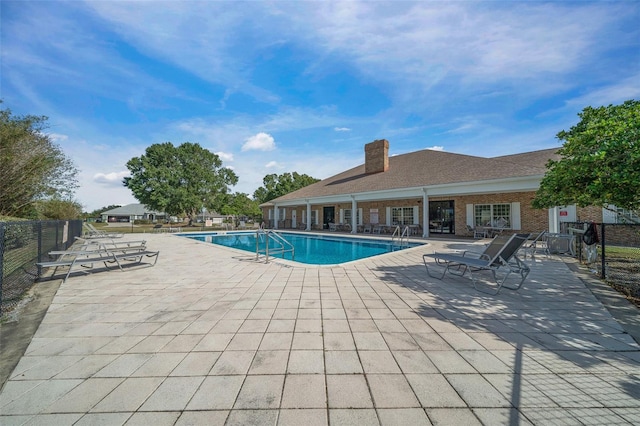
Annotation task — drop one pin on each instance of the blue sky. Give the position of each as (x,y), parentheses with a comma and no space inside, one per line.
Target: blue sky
(275,87)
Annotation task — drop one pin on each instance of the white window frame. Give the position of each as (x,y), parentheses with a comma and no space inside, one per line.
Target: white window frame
(406,216)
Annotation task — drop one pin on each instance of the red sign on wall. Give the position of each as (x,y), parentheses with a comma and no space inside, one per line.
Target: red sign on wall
(564,213)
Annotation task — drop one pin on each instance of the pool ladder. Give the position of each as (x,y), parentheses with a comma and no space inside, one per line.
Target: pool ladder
(400,238)
(281,245)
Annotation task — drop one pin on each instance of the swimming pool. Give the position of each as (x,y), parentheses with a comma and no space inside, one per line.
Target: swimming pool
(312,249)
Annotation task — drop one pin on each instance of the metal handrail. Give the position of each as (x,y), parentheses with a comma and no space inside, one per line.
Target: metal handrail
(402,237)
(284,245)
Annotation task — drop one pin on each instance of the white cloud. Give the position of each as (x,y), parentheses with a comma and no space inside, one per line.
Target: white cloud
(56,137)
(110,179)
(436,148)
(225,156)
(273,165)
(259,142)
(341,129)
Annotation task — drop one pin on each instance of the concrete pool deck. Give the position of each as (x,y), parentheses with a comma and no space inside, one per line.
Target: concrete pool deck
(209,336)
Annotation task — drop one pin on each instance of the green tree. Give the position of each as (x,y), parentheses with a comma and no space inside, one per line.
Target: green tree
(600,161)
(32,166)
(179,180)
(58,209)
(239,204)
(276,186)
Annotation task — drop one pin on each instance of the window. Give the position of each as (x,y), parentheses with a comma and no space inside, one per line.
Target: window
(314,217)
(347,216)
(402,216)
(493,215)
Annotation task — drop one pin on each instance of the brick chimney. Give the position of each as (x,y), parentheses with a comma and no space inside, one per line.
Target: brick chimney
(376,156)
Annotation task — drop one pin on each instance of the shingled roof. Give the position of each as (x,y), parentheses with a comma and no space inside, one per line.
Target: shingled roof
(427,168)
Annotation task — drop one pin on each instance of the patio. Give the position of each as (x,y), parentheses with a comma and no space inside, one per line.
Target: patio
(209,336)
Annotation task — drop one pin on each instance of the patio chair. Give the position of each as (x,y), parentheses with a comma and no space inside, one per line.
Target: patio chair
(500,253)
(477,232)
(534,243)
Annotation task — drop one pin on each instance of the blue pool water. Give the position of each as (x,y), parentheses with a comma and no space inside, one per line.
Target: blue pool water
(311,249)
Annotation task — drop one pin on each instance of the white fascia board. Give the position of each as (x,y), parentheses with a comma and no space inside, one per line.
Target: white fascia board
(521,184)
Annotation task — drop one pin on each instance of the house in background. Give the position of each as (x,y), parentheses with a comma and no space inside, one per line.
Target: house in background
(132,212)
(433,192)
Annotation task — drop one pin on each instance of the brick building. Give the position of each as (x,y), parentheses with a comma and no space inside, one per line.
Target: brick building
(433,192)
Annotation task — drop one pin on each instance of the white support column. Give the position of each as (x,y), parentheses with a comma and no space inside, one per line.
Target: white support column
(354,215)
(308,216)
(276,215)
(554,220)
(425,213)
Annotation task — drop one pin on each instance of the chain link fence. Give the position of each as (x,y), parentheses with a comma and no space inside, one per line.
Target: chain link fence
(615,258)
(22,244)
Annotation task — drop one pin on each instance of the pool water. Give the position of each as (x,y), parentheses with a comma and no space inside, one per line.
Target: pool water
(310,249)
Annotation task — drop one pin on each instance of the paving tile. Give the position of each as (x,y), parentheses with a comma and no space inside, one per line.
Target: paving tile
(106,419)
(86,367)
(232,362)
(431,342)
(450,362)
(85,396)
(308,326)
(342,362)
(339,342)
(270,362)
(414,362)
(477,391)
(484,361)
(214,342)
(124,365)
(173,394)
(348,391)
(364,417)
(281,326)
(216,393)
(335,326)
(245,341)
(306,362)
(452,416)
(129,395)
(252,417)
(307,417)
(403,416)
(182,343)
(160,364)
(156,419)
(307,341)
(400,341)
(260,392)
(434,391)
(209,418)
(195,364)
(363,325)
(390,326)
(276,341)
(304,391)
(391,391)
(369,341)
(378,362)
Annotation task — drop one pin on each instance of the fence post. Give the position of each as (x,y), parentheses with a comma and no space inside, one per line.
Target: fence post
(603,274)
(2,232)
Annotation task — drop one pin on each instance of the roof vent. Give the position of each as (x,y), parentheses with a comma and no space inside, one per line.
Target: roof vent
(376,156)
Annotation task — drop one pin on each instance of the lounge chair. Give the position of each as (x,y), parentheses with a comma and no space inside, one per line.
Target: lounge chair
(500,253)
(90,253)
(95,233)
(534,243)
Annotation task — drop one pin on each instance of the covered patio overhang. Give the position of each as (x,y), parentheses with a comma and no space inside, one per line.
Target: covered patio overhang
(529,183)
